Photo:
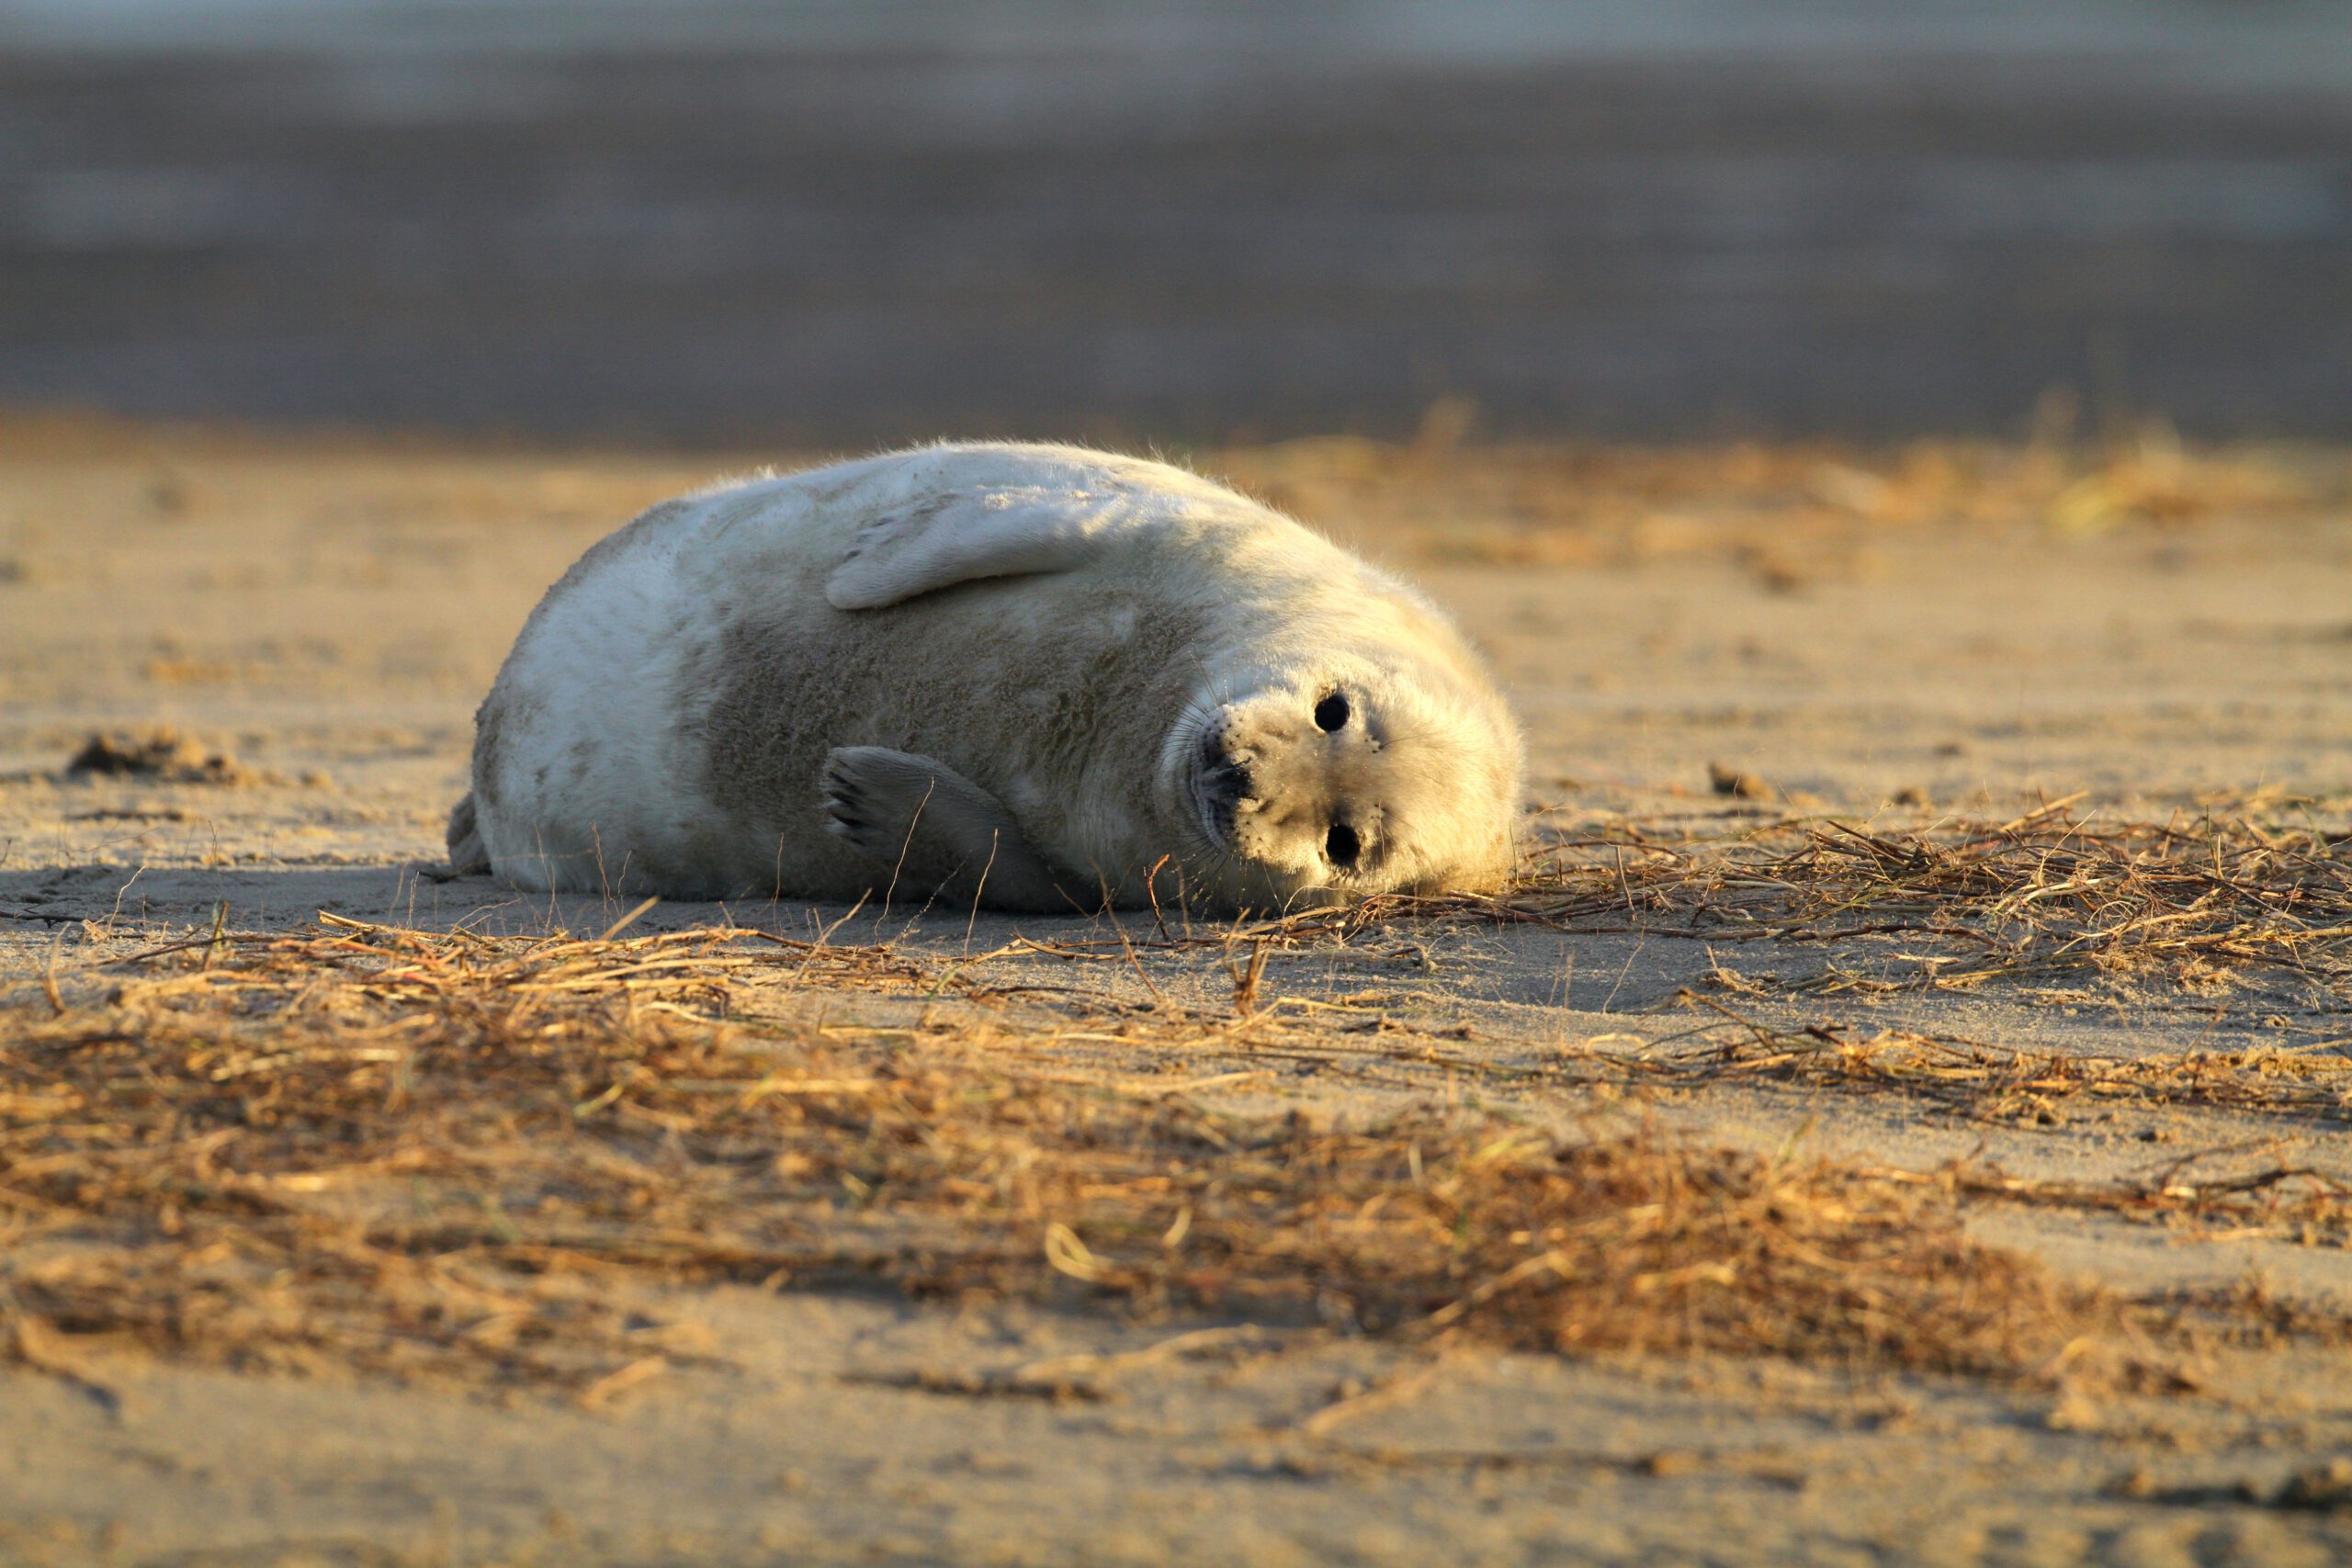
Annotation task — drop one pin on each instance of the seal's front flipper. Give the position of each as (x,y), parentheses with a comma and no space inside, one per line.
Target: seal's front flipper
(937,832)
(966,536)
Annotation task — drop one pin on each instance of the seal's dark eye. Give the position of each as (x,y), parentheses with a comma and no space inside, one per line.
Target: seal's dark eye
(1341,843)
(1331,712)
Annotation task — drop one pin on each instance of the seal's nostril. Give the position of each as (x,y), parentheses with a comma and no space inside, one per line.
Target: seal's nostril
(1226,782)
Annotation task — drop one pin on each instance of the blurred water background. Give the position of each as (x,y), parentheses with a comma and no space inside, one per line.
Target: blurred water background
(846,221)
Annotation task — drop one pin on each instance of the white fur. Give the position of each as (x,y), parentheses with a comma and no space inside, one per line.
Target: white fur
(662,720)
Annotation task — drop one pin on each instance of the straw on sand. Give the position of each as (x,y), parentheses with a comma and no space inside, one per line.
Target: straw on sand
(446,1153)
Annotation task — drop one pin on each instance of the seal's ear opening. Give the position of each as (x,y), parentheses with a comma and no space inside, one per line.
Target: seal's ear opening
(1331,712)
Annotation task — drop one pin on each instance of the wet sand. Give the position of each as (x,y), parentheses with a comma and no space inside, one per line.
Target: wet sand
(1734,220)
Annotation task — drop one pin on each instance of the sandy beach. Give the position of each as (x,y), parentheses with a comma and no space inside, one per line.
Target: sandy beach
(1940,836)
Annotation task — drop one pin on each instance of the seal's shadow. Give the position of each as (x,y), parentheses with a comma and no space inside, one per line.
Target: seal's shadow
(1452,964)
(39,898)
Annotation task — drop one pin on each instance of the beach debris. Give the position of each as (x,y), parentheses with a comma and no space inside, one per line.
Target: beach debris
(1735,783)
(162,753)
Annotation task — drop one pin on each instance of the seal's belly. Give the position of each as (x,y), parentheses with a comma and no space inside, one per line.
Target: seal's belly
(1031,688)
(691,767)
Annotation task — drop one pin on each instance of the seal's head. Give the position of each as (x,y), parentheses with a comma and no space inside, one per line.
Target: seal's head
(1343,777)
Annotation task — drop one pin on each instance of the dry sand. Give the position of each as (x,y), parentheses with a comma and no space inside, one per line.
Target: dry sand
(1897,638)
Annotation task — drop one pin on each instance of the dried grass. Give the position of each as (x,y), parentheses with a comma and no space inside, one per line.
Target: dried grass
(2203,1189)
(449,1155)
(434,1154)
(2202,905)
(1995,1083)
(2197,904)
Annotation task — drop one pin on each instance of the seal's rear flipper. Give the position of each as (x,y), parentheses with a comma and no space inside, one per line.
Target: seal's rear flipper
(467,855)
(935,830)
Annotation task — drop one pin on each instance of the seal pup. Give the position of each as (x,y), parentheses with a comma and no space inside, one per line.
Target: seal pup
(1026,677)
